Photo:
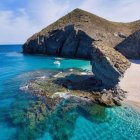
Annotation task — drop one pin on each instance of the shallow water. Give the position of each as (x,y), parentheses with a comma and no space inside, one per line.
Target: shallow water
(17,69)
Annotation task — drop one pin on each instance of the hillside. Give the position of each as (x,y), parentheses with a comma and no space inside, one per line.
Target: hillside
(73,34)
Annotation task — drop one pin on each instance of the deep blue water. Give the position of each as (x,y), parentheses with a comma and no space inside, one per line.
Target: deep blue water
(119,123)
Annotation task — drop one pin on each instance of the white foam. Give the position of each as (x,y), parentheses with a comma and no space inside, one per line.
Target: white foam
(57,75)
(24,88)
(42,77)
(64,95)
(14,54)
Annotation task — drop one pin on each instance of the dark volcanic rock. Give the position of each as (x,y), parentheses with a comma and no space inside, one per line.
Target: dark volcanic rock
(130,47)
(108,65)
(83,35)
(67,42)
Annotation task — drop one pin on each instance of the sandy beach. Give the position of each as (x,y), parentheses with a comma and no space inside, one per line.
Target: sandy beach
(131,84)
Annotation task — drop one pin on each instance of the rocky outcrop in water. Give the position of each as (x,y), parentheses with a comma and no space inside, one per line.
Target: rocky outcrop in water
(83,35)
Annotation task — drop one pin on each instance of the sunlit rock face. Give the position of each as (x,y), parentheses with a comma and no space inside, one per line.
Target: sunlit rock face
(107,64)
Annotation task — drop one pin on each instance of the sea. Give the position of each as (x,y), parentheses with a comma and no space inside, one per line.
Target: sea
(16,69)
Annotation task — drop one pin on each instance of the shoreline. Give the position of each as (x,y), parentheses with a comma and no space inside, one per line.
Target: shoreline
(131,83)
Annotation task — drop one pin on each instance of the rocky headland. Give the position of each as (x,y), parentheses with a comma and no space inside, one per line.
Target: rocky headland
(82,35)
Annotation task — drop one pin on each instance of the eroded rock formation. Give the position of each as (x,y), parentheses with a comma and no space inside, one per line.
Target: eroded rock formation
(83,35)
(66,42)
(108,64)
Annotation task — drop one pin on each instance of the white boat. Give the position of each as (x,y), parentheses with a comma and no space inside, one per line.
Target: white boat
(57,62)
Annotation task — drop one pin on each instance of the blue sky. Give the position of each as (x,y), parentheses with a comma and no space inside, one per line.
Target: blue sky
(19,19)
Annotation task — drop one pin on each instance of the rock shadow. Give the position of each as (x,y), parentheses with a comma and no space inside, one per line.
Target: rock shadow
(130,47)
(79,82)
(135,61)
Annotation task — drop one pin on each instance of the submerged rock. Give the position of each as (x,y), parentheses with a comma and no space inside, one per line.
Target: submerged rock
(57,117)
(28,119)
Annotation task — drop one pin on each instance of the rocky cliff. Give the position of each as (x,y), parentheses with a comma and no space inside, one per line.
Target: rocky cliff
(108,64)
(130,47)
(68,42)
(83,35)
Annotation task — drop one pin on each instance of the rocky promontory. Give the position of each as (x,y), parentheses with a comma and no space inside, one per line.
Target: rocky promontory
(83,35)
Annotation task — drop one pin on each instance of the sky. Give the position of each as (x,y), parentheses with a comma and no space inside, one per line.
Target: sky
(19,19)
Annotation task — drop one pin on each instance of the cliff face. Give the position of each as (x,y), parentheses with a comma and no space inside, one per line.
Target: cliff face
(108,65)
(65,42)
(130,47)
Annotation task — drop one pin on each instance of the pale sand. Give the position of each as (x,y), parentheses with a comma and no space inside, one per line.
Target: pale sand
(131,84)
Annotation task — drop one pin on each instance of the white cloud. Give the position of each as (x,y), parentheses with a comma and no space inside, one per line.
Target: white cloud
(16,26)
(117,10)
(48,11)
(15,29)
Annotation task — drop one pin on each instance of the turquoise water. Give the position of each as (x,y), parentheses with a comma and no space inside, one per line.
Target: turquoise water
(16,69)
